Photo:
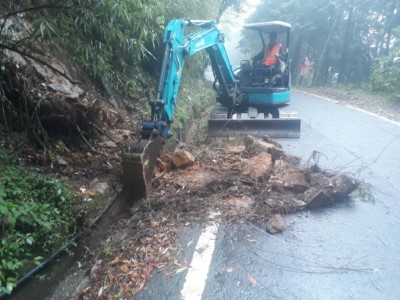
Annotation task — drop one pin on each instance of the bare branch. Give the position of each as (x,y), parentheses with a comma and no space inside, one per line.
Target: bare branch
(87,142)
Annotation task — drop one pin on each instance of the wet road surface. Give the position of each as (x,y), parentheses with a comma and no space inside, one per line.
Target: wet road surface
(349,251)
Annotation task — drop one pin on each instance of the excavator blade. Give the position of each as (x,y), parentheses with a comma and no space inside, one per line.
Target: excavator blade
(285,127)
(138,165)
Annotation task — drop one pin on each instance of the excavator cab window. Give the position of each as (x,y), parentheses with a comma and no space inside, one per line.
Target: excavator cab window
(277,75)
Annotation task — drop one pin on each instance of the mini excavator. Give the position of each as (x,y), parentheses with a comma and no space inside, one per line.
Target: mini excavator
(248,98)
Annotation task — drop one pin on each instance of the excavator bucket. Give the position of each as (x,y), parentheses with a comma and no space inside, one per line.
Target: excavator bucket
(287,126)
(138,165)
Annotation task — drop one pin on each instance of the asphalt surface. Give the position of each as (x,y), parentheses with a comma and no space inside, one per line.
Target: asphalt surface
(349,251)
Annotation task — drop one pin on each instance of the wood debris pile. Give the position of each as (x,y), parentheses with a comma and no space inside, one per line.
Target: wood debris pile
(256,181)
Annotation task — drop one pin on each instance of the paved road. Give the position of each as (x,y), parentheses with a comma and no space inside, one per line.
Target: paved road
(350,251)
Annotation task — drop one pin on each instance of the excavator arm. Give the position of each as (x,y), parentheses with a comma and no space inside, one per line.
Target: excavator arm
(139,160)
(177,47)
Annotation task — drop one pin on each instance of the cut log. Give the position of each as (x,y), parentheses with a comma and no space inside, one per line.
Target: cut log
(327,189)
(182,159)
(255,146)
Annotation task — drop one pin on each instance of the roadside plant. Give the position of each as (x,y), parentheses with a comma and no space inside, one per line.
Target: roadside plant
(36,218)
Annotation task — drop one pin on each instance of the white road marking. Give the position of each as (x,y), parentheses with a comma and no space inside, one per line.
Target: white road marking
(317,96)
(373,114)
(352,107)
(196,277)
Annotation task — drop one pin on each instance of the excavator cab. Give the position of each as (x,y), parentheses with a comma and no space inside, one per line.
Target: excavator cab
(273,79)
(260,92)
(278,74)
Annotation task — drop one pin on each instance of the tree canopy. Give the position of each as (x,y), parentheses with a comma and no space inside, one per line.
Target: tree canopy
(346,40)
(112,40)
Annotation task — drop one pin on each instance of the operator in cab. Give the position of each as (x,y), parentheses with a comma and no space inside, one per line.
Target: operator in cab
(268,57)
(272,51)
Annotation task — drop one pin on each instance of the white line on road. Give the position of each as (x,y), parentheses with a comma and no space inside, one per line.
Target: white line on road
(352,107)
(196,277)
(372,114)
(317,96)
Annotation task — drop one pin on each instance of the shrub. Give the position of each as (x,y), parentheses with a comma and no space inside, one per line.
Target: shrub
(35,215)
(385,76)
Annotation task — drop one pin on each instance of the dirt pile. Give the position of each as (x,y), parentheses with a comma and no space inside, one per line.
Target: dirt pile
(256,181)
(55,120)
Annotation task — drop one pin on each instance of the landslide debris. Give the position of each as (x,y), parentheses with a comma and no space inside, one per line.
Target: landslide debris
(256,181)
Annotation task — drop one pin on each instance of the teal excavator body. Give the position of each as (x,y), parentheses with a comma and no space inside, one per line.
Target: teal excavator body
(248,99)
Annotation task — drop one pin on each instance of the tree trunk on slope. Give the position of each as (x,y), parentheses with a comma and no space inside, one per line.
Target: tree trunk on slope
(321,62)
(296,59)
(344,60)
(391,22)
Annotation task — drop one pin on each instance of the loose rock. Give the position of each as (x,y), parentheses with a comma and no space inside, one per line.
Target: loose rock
(268,139)
(287,176)
(257,166)
(276,224)
(234,149)
(243,202)
(315,197)
(61,161)
(326,190)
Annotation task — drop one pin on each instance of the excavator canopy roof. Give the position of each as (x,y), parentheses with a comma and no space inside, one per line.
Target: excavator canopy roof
(277,26)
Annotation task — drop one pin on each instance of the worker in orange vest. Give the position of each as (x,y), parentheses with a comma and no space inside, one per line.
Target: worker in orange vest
(272,50)
(304,69)
(271,61)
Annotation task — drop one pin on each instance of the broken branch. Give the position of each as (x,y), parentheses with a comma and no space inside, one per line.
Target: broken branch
(87,142)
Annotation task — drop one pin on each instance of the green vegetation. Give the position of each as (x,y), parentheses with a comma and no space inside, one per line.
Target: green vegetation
(35,215)
(116,42)
(385,75)
(194,97)
(348,42)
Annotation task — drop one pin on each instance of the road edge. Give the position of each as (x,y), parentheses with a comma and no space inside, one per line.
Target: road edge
(349,106)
